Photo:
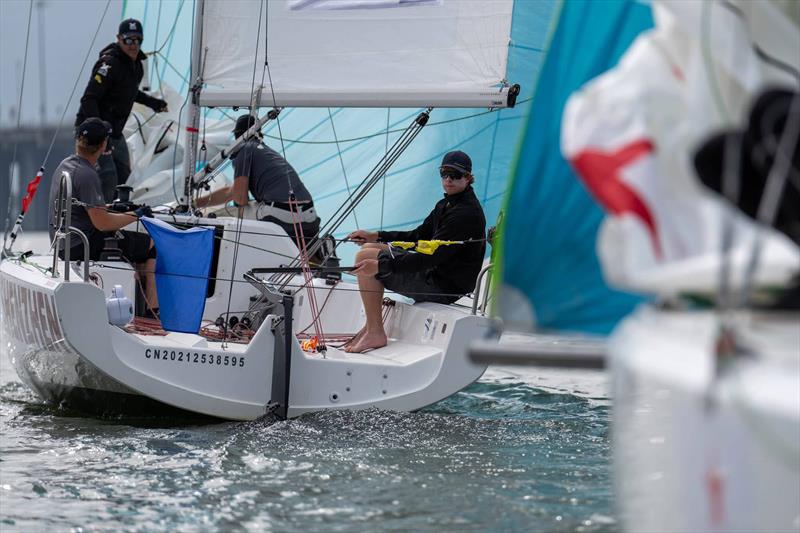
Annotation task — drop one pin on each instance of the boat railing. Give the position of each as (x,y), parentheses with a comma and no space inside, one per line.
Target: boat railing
(63,218)
(482,295)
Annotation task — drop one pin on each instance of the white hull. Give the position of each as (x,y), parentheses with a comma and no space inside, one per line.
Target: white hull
(61,343)
(700,450)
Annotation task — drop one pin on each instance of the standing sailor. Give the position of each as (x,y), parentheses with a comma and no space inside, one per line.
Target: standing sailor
(443,276)
(110,94)
(264,173)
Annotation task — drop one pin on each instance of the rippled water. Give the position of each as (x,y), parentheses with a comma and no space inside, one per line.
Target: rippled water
(508,453)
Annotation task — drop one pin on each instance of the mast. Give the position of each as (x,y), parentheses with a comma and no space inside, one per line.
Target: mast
(193,113)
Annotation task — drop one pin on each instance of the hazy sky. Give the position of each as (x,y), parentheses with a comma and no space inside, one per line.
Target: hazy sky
(65,29)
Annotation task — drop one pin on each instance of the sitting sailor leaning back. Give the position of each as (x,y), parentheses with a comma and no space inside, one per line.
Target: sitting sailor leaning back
(445,275)
(264,173)
(93,217)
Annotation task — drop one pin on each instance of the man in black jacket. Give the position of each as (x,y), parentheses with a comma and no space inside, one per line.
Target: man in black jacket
(110,94)
(443,276)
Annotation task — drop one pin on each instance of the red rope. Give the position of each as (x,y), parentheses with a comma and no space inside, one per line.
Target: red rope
(294,207)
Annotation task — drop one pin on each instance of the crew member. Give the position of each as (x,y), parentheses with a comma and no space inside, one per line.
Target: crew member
(264,173)
(110,94)
(91,215)
(444,276)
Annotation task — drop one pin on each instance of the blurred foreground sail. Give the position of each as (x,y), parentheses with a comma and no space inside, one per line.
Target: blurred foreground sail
(549,275)
(706,384)
(631,135)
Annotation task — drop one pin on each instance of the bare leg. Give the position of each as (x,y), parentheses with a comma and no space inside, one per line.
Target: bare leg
(148,268)
(372,297)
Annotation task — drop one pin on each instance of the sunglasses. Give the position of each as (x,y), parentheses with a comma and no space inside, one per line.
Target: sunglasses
(132,40)
(453,175)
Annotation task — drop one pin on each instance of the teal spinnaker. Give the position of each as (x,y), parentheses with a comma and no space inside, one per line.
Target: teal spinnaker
(549,275)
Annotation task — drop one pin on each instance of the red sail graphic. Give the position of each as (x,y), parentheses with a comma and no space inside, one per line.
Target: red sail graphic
(600,172)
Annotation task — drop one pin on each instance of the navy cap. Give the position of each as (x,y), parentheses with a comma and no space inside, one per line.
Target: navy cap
(243,123)
(457,160)
(93,130)
(129,27)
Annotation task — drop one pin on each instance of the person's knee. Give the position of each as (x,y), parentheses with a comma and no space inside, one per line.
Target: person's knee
(367,253)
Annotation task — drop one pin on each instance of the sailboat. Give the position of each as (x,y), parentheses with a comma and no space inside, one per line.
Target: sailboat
(65,324)
(698,230)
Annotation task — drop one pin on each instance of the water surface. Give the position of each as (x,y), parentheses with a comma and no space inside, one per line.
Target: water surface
(515,451)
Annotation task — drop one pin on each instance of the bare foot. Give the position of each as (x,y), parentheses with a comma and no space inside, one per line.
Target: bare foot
(368,341)
(353,339)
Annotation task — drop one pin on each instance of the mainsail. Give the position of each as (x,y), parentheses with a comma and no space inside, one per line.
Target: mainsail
(355,54)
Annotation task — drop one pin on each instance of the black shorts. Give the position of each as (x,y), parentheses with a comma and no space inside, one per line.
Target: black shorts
(134,247)
(420,286)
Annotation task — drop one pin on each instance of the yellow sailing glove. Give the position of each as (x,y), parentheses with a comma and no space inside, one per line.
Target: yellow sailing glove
(423,247)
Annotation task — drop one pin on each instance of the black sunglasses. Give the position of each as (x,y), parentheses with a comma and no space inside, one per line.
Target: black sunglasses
(132,40)
(450,173)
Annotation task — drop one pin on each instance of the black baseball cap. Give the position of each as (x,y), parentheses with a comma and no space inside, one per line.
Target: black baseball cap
(130,27)
(457,160)
(93,130)
(243,123)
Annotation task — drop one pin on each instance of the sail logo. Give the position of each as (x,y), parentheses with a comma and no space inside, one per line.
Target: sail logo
(601,172)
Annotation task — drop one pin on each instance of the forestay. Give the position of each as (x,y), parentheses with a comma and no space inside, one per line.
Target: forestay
(366,53)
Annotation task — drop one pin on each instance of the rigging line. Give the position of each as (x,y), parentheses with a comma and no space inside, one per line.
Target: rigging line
(247,167)
(369,182)
(169,64)
(341,162)
(272,88)
(233,265)
(231,280)
(155,40)
(255,58)
(75,85)
(180,117)
(385,153)
(168,38)
(19,120)
(365,182)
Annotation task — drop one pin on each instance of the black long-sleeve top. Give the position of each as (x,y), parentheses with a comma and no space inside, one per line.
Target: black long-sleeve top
(455,267)
(113,88)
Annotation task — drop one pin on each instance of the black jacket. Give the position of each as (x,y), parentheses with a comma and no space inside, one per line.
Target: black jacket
(113,88)
(455,267)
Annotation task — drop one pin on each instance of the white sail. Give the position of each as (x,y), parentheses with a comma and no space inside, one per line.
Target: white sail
(444,53)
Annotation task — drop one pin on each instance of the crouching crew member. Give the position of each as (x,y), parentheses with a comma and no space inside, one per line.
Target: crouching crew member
(444,276)
(264,173)
(92,217)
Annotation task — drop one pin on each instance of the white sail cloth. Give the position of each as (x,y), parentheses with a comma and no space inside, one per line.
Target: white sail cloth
(156,148)
(631,134)
(362,53)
